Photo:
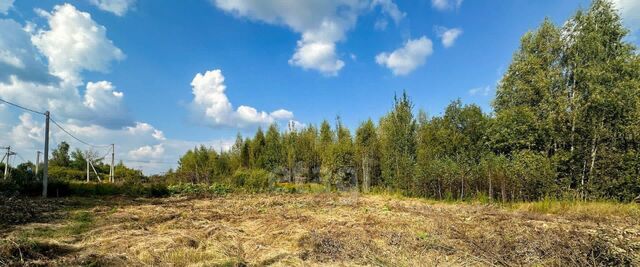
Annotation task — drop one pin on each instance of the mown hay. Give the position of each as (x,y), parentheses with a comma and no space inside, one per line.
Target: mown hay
(329,229)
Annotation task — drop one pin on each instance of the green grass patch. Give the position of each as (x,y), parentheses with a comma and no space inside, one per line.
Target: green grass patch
(77,223)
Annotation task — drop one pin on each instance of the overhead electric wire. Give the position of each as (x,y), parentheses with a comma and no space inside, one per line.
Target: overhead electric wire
(74,137)
(106,154)
(54,122)
(19,106)
(23,160)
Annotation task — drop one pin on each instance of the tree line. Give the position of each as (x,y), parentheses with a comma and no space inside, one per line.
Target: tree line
(565,124)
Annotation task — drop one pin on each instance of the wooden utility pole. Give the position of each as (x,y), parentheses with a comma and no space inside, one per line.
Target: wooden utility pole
(45,171)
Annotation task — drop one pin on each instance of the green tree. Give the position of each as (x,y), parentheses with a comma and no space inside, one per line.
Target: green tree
(60,155)
(258,145)
(273,150)
(367,151)
(78,160)
(325,145)
(342,165)
(398,144)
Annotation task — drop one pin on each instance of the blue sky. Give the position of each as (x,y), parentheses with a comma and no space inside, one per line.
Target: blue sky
(273,56)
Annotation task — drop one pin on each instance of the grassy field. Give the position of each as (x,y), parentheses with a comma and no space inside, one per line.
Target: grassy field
(345,229)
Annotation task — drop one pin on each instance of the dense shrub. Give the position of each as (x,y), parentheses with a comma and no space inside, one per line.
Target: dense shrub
(253,180)
(61,173)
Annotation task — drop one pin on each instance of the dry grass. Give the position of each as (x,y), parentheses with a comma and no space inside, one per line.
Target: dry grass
(591,210)
(324,229)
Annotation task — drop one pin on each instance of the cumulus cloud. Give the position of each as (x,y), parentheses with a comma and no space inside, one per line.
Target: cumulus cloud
(41,68)
(443,5)
(448,36)
(630,12)
(406,59)
(211,102)
(100,104)
(27,132)
(321,23)
(75,42)
(317,55)
(147,152)
(102,98)
(282,114)
(117,7)
(19,57)
(5,5)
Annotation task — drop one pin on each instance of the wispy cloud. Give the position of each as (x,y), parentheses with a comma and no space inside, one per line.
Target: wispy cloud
(480,91)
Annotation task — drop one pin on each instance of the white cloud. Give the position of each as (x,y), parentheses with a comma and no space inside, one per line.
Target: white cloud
(100,104)
(102,98)
(117,7)
(381,24)
(390,8)
(446,4)
(322,23)
(19,57)
(211,103)
(5,5)
(629,11)
(147,152)
(96,113)
(75,43)
(448,36)
(320,56)
(484,91)
(282,114)
(27,132)
(404,60)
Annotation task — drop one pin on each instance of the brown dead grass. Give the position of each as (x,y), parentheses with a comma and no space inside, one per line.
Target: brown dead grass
(322,229)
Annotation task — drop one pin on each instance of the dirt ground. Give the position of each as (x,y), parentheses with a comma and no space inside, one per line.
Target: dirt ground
(305,230)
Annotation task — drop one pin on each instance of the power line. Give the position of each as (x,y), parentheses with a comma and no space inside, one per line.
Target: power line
(106,154)
(18,106)
(23,160)
(74,137)
(54,122)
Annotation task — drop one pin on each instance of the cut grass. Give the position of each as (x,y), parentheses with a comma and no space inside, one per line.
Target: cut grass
(600,209)
(78,223)
(332,229)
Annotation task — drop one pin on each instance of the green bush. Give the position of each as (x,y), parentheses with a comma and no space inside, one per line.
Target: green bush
(61,173)
(253,180)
